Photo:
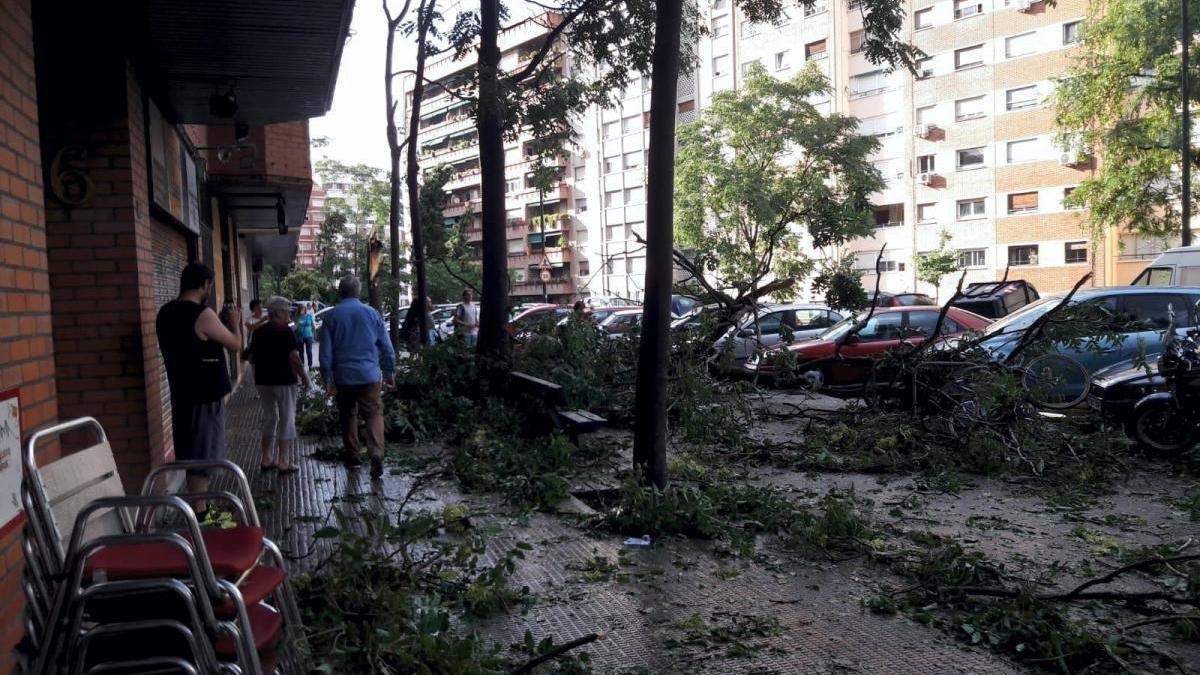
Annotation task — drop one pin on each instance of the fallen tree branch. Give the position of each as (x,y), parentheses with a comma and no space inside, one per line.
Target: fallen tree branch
(1141,564)
(554,653)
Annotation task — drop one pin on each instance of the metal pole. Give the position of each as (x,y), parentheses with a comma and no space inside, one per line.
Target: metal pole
(542,223)
(1185,87)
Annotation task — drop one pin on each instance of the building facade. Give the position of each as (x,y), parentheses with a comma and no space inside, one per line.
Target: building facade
(967,144)
(308,257)
(115,171)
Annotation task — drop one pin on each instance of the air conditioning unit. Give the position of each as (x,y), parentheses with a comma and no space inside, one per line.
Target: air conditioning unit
(1072,158)
(926,177)
(1025,5)
(925,73)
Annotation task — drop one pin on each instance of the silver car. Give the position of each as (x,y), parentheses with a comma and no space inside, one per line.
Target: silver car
(774,321)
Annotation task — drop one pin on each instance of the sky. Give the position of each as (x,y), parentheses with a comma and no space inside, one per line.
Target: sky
(356,124)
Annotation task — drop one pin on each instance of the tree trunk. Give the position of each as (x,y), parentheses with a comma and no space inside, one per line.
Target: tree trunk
(493,334)
(654,352)
(416,317)
(394,179)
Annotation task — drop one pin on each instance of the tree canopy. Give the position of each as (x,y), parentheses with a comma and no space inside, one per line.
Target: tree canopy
(1122,98)
(762,171)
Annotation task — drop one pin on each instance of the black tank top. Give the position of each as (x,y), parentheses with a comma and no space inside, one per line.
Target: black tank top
(196,369)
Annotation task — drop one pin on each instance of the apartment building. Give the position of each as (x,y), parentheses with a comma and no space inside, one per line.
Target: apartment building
(307,255)
(966,145)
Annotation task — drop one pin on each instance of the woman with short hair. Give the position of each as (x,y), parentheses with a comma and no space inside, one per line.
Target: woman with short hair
(275,352)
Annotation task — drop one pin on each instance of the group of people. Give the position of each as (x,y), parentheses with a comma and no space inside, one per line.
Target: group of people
(356,360)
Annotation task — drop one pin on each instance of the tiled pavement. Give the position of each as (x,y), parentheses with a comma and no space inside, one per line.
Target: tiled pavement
(823,628)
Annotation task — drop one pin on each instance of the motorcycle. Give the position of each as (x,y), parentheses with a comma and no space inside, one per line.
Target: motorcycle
(1168,422)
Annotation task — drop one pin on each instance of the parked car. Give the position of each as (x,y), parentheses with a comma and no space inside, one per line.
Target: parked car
(598,301)
(526,318)
(622,322)
(995,299)
(1175,267)
(742,340)
(682,305)
(599,314)
(885,299)
(886,329)
(1140,313)
(1116,389)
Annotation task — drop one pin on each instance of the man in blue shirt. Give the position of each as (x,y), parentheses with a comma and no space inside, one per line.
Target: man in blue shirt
(357,359)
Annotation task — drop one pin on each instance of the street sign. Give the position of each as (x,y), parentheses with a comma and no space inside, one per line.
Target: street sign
(545,264)
(545,276)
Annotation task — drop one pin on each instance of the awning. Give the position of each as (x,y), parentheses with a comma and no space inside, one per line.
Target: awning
(280,57)
(550,199)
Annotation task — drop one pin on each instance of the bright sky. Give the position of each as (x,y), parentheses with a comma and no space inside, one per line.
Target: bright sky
(356,124)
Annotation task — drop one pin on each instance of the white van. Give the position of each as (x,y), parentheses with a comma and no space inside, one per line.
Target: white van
(1175,267)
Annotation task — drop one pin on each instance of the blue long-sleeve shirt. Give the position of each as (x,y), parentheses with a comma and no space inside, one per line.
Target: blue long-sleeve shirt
(355,345)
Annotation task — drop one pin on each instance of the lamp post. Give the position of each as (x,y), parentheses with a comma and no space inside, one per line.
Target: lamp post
(1185,86)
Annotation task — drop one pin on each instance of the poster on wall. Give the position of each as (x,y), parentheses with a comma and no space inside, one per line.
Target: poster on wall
(158,156)
(191,203)
(174,173)
(10,461)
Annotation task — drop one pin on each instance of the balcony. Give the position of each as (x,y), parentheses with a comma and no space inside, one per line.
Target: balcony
(456,208)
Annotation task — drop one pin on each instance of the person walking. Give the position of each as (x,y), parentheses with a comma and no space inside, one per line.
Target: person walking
(275,352)
(193,342)
(304,329)
(466,319)
(357,359)
(432,330)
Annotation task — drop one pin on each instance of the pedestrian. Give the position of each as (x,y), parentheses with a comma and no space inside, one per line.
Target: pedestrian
(304,329)
(354,344)
(193,343)
(466,319)
(432,330)
(258,317)
(275,352)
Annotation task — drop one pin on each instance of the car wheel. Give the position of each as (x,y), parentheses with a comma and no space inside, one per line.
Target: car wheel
(1158,430)
(812,379)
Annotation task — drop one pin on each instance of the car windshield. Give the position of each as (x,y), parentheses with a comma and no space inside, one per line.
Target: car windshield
(1024,317)
(839,329)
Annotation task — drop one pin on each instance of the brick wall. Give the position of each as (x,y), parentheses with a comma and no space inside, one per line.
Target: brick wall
(26,352)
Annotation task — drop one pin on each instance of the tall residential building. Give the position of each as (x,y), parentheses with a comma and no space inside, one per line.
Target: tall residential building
(307,255)
(966,145)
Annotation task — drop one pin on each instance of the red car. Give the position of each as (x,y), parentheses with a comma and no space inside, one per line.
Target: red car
(887,329)
(529,317)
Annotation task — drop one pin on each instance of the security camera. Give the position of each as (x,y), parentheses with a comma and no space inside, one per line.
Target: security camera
(224,154)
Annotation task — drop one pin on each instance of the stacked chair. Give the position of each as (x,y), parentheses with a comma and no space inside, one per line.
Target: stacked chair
(112,589)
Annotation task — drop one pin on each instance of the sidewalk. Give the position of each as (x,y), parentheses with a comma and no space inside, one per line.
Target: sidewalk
(658,609)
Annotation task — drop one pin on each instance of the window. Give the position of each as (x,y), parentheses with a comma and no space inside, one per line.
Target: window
(926,164)
(886,265)
(720,5)
(512,185)
(968,108)
(925,115)
(633,160)
(580,205)
(968,57)
(610,164)
(614,232)
(868,84)
(814,50)
(581,172)
(1022,151)
(1067,197)
(747,66)
(1153,311)
(924,323)
(629,124)
(635,195)
(923,18)
(720,26)
(749,29)
(924,68)
(1023,255)
(629,270)
(974,257)
(965,8)
(1021,97)
(1071,32)
(611,129)
(613,198)
(686,106)
(882,327)
(1020,45)
(856,41)
(817,8)
(516,246)
(1075,252)
(584,268)
(720,65)
(926,212)
(781,60)
(971,208)
(1023,202)
(970,158)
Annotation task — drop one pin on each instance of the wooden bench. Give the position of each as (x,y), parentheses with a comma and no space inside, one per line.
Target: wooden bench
(551,400)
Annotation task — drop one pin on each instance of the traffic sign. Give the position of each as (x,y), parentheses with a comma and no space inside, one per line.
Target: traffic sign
(545,276)
(545,264)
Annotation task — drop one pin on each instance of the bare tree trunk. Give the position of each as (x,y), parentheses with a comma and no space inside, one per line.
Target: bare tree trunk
(394,176)
(654,352)
(417,316)
(493,336)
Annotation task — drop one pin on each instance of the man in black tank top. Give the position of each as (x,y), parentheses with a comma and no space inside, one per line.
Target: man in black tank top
(193,343)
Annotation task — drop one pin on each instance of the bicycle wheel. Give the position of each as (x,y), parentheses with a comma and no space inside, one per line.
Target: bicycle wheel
(1056,381)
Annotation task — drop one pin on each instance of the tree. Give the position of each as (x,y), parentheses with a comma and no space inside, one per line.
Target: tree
(762,171)
(1122,98)
(365,208)
(882,22)
(932,267)
(306,285)
(333,246)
